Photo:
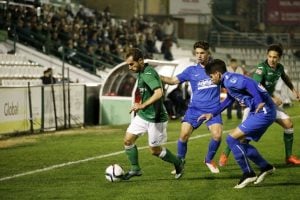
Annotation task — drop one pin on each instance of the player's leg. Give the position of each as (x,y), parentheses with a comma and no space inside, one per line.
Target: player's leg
(252,128)
(239,113)
(132,154)
(189,123)
(239,153)
(136,128)
(167,156)
(157,134)
(225,154)
(216,132)
(185,133)
(265,167)
(229,111)
(288,136)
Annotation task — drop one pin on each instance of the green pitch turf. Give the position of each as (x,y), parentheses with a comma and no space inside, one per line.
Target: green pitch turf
(70,165)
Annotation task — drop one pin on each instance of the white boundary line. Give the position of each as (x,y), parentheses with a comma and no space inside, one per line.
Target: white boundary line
(94,158)
(86,160)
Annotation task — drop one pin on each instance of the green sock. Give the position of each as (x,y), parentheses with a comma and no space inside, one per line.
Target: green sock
(227,151)
(133,157)
(288,143)
(170,157)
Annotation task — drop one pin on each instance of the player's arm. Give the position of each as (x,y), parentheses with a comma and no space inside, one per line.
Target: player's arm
(276,100)
(251,88)
(286,79)
(157,94)
(207,116)
(170,80)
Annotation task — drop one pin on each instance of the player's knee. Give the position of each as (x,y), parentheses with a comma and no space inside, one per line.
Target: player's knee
(217,135)
(184,137)
(127,142)
(289,125)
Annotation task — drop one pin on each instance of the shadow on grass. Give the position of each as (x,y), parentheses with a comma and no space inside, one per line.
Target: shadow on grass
(284,166)
(279,184)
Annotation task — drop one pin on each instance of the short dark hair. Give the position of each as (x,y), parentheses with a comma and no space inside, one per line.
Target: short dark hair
(214,66)
(277,48)
(135,53)
(201,44)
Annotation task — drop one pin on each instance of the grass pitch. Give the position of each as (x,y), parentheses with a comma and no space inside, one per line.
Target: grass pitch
(70,165)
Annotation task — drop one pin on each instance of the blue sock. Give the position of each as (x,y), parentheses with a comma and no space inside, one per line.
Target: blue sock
(212,149)
(181,149)
(255,156)
(239,154)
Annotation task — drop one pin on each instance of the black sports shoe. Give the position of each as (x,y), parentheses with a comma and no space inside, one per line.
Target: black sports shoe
(179,169)
(174,171)
(131,174)
(246,179)
(269,169)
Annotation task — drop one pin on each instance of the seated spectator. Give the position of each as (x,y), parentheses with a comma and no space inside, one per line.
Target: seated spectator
(48,78)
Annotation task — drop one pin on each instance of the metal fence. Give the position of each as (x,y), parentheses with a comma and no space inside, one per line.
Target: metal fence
(238,39)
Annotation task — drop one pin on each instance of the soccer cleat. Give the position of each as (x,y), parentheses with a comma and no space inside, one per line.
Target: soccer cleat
(293,160)
(268,170)
(246,179)
(223,160)
(179,169)
(212,167)
(131,174)
(174,171)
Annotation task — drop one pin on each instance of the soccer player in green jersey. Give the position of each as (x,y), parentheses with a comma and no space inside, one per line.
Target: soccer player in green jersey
(151,117)
(268,73)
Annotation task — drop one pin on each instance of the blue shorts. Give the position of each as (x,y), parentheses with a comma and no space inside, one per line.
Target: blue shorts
(255,125)
(192,114)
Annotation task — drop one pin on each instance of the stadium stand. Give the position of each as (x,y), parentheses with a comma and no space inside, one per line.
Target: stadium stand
(17,70)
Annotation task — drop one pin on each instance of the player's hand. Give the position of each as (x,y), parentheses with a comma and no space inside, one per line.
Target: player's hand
(205,117)
(297,94)
(136,107)
(259,107)
(277,101)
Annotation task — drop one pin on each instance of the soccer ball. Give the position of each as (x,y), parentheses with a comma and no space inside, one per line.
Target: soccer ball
(114,173)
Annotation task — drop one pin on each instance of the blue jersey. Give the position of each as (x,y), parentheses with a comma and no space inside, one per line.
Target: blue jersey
(205,94)
(248,92)
(245,90)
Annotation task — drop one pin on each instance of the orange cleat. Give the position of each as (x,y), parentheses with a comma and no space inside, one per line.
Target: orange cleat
(293,160)
(223,160)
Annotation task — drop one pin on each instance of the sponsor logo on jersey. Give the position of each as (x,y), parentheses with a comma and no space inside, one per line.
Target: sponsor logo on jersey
(258,71)
(205,83)
(233,80)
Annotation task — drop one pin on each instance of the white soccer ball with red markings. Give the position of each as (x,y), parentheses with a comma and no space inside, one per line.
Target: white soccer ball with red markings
(114,173)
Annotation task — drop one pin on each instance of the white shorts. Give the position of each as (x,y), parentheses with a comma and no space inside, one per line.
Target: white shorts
(280,114)
(157,132)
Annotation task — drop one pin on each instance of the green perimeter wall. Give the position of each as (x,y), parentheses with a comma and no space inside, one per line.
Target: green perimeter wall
(115,110)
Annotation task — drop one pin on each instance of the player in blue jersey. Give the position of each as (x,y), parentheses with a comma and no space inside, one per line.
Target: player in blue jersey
(205,96)
(262,114)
